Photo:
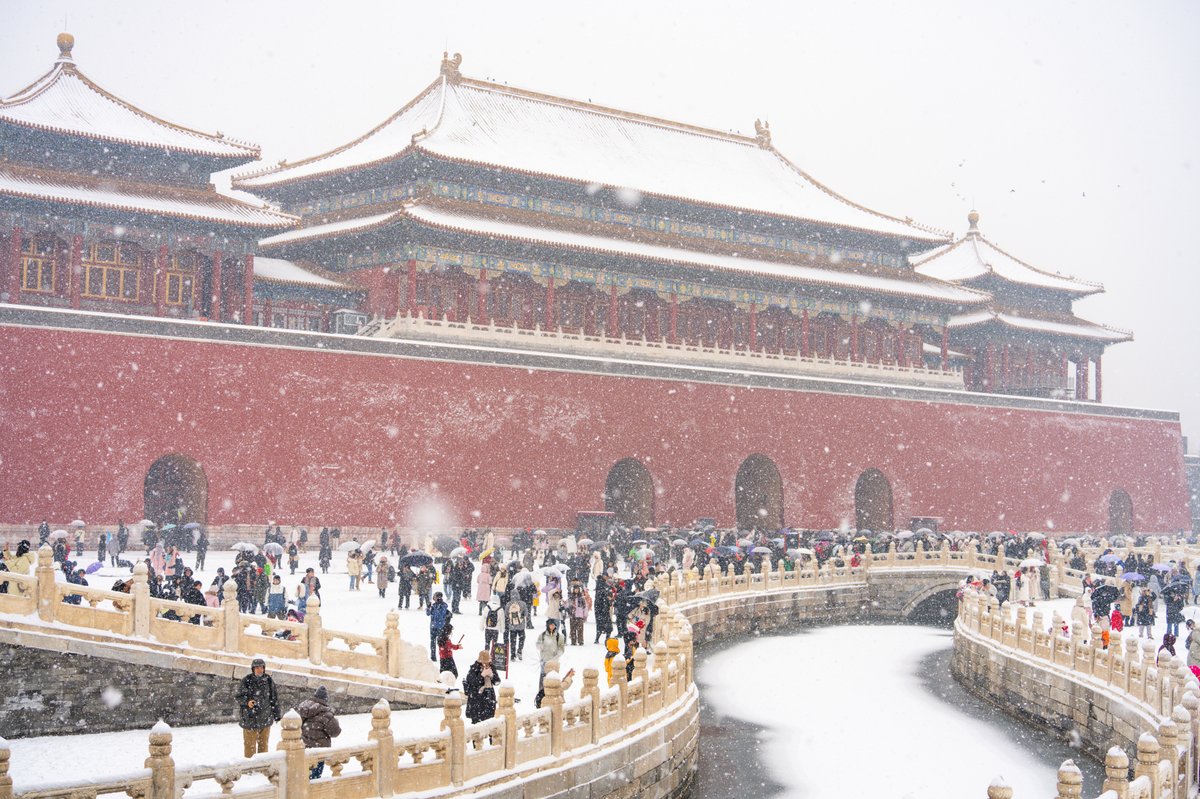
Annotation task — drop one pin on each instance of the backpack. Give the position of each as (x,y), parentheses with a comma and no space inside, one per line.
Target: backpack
(492,620)
(391,574)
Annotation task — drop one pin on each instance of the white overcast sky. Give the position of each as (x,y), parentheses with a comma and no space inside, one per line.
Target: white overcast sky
(1074,128)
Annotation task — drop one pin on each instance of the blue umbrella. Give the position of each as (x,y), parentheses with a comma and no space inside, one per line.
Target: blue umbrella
(725,550)
(1161,567)
(1132,577)
(1109,558)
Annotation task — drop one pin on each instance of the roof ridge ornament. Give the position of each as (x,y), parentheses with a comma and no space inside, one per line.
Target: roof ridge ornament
(973,221)
(66,42)
(450,67)
(762,133)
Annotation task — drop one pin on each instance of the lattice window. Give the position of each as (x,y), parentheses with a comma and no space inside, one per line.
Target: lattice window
(111,270)
(37,265)
(181,278)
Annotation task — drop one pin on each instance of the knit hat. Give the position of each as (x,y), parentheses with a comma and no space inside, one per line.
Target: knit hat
(321,693)
(484,656)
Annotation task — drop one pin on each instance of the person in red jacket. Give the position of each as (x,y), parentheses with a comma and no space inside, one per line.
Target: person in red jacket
(446,649)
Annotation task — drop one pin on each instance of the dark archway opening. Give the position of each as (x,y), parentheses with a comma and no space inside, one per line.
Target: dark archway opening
(938,609)
(873,502)
(1120,512)
(176,491)
(758,494)
(629,493)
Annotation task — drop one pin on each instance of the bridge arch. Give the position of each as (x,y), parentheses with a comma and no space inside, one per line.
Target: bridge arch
(176,490)
(758,494)
(629,493)
(873,502)
(1120,512)
(934,604)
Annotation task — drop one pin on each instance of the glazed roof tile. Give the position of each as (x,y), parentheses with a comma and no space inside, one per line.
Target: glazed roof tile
(98,193)
(65,101)
(489,125)
(1073,326)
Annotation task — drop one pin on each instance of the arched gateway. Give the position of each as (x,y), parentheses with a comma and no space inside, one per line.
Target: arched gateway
(873,502)
(629,493)
(758,494)
(176,490)
(1120,512)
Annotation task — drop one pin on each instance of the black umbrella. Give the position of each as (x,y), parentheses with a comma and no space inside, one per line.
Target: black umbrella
(446,543)
(1105,594)
(417,559)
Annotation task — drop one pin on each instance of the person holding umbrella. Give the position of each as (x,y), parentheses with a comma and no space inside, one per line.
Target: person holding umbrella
(1144,612)
(1174,597)
(479,686)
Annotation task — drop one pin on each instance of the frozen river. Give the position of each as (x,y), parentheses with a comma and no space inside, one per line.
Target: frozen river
(854,711)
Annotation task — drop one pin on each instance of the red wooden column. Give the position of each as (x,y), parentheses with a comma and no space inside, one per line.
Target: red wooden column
(614,318)
(268,320)
(1098,380)
(901,343)
(75,269)
(1081,379)
(804,349)
(854,338)
(1005,362)
(481,289)
(548,316)
(674,317)
(214,312)
(160,280)
(946,348)
(752,342)
(412,287)
(14,265)
(248,291)
(1030,367)
(989,378)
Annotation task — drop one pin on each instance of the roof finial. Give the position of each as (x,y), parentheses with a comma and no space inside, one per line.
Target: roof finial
(973,221)
(450,66)
(762,133)
(65,42)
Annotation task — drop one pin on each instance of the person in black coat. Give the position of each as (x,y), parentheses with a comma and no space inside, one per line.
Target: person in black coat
(319,726)
(479,687)
(258,705)
(602,607)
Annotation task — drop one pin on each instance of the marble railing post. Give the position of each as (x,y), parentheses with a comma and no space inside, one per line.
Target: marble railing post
(452,707)
(231,617)
(553,700)
(1070,781)
(999,790)
(1185,742)
(44,572)
(641,670)
(140,592)
(1116,772)
(315,631)
(291,743)
(160,763)
(392,644)
(1147,759)
(621,680)
(687,653)
(1191,703)
(506,710)
(385,754)
(591,689)
(1168,739)
(6,783)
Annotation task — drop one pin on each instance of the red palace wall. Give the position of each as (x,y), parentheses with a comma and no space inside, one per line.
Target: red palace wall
(307,436)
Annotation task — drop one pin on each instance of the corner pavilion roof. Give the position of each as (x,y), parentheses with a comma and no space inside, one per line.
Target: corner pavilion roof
(495,229)
(294,273)
(65,101)
(492,126)
(973,256)
(85,190)
(1071,326)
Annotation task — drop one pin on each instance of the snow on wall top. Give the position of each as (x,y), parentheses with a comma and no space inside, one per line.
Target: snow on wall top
(1074,327)
(203,206)
(64,100)
(491,125)
(499,229)
(281,271)
(973,256)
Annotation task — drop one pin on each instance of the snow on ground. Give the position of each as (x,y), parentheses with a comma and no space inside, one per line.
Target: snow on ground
(845,714)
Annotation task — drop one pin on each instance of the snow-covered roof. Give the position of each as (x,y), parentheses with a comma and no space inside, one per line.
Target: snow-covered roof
(1074,327)
(278,270)
(205,206)
(497,229)
(353,225)
(973,256)
(65,101)
(490,125)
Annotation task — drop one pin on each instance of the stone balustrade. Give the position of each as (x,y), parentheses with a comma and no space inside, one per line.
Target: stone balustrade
(1148,706)
(163,623)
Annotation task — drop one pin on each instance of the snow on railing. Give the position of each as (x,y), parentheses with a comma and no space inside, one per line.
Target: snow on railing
(1164,690)
(580,343)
